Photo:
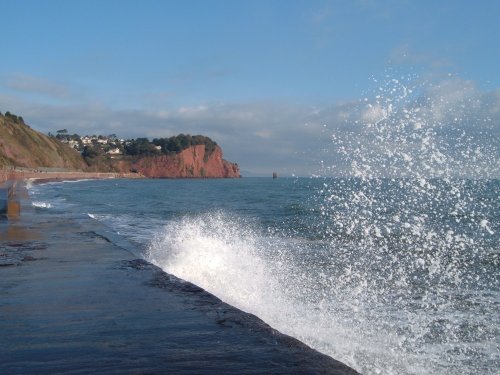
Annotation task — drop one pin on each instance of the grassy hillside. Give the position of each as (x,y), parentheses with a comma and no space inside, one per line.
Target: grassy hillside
(22,146)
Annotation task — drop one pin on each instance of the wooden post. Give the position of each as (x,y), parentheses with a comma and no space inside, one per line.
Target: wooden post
(13,209)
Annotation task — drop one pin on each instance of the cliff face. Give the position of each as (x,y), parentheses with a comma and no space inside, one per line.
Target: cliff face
(22,146)
(192,162)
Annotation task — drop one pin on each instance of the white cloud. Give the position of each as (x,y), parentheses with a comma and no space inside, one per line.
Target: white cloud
(453,97)
(29,83)
(269,136)
(406,54)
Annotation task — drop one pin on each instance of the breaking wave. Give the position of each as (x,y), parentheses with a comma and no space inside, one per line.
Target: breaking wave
(392,269)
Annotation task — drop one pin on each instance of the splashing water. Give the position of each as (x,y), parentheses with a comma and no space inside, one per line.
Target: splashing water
(419,253)
(414,129)
(205,246)
(258,273)
(393,270)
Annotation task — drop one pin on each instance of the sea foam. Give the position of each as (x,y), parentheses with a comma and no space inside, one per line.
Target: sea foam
(41,204)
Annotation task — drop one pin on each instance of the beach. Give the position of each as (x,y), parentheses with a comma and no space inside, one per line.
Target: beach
(21,174)
(73,301)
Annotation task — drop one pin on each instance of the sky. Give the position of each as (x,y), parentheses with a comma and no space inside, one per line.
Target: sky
(272,82)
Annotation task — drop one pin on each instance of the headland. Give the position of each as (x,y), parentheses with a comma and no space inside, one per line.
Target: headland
(24,151)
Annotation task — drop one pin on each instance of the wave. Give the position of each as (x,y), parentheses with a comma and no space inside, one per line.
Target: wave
(263,275)
(41,204)
(339,301)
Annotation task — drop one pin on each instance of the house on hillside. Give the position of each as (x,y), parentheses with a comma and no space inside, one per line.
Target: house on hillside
(74,144)
(114,152)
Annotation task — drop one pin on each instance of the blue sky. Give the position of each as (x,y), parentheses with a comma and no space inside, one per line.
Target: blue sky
(260,77)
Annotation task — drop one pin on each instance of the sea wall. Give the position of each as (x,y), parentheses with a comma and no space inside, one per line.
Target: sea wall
(4,193)
(93,307)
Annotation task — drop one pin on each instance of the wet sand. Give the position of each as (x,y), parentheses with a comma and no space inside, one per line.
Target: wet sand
(74,302)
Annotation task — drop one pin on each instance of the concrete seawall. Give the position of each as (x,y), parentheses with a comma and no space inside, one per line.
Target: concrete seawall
(3,200)
(73,301)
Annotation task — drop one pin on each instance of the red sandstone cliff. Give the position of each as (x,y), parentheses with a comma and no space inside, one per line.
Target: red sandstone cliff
(21,146)
(192,162)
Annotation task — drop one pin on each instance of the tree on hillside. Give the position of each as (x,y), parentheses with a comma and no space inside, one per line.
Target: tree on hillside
(62,134)
(140,146)
(14,118)
(182,141)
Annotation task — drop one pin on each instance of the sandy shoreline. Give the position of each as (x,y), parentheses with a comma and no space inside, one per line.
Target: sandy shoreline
(72,301)
(13,174)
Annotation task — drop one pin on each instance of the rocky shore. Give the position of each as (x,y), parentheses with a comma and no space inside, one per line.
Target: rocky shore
(75,300)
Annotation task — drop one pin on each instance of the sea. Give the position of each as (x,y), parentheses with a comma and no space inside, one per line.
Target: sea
(386,258)
(388,275)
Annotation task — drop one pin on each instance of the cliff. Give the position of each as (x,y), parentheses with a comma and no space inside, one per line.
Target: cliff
(22,146)
(193,162)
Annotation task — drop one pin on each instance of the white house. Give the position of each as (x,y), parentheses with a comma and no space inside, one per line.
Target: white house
(114,151)
(73,144)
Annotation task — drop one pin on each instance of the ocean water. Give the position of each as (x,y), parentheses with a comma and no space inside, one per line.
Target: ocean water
(390,276)
(392,269)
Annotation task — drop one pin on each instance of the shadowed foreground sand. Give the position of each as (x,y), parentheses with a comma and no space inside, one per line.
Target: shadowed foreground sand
(72,301)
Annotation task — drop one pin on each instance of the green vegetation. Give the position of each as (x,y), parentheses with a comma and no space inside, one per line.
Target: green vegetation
(182,141)
(97,149)
(21,146)
(134,147)
(100,145)
(13,118)
(140,146)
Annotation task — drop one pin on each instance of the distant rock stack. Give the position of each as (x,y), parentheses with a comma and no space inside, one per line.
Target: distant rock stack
(275,175)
